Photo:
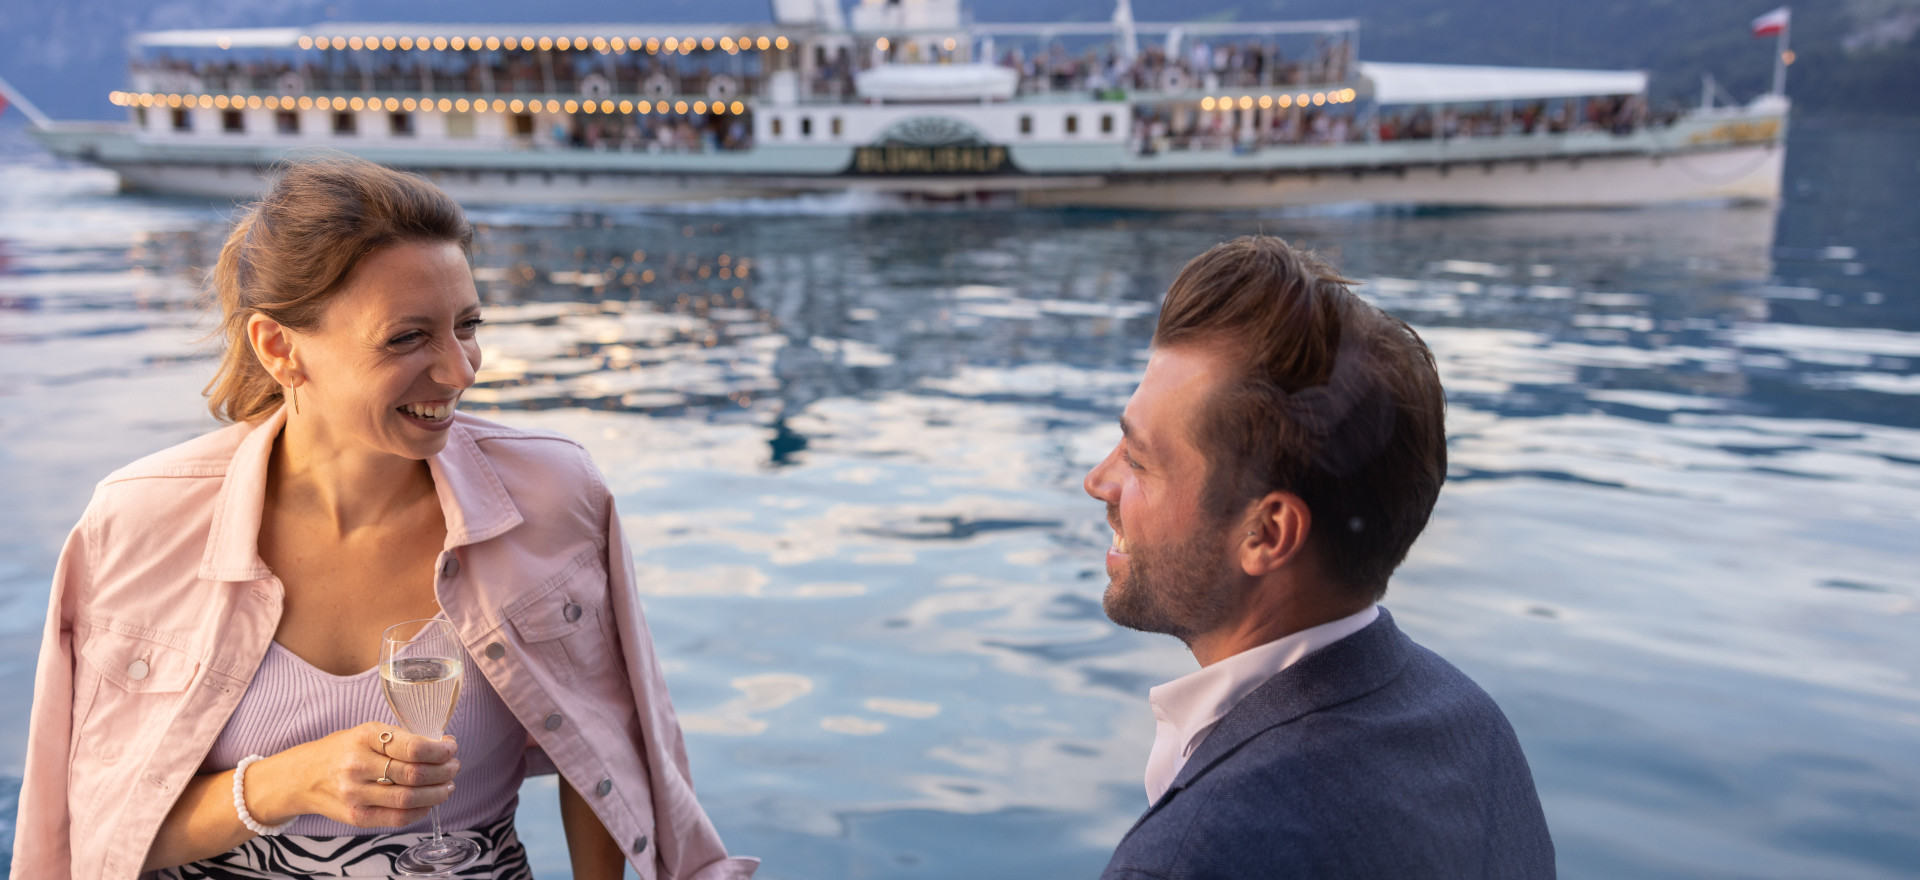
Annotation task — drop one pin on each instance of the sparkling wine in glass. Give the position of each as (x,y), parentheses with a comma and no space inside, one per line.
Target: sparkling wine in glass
(421,662)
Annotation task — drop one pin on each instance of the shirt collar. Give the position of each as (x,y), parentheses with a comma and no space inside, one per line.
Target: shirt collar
(473,501)
(1195,702)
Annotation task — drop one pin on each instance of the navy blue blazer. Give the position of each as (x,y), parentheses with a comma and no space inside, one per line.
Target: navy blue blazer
(1370,758)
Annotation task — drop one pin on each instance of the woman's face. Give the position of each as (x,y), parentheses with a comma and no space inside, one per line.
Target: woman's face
(393,352)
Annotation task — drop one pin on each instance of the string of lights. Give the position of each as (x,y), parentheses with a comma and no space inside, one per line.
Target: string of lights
(603,45)
(444,105)
(552,105)
(1267,102)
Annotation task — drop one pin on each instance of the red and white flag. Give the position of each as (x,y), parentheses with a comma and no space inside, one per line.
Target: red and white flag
(1772,24)
(3,103)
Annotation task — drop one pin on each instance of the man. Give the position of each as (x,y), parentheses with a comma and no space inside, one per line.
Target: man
(1282,452)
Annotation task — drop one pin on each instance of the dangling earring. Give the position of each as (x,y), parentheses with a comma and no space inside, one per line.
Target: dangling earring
(293,394)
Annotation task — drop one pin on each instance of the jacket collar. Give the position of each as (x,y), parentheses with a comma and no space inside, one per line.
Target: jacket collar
(472,498)
(1352,667)
(473,501)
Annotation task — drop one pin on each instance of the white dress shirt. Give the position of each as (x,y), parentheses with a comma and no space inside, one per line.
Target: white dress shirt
(1187,708)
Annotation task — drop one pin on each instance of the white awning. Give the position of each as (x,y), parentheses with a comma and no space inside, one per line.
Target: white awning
(937,82)
(1461,83)
(231,38)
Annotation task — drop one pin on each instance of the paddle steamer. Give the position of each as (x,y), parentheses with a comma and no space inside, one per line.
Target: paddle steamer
(908,97)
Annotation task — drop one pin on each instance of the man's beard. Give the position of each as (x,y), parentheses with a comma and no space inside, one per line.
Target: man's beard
(1182,590)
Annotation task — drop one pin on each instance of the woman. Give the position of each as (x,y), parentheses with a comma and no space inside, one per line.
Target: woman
(207,703)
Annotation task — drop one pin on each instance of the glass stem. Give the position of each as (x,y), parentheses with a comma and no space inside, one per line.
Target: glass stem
(435,811)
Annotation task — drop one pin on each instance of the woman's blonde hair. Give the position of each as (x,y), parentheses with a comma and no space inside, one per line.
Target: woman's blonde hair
(291,251)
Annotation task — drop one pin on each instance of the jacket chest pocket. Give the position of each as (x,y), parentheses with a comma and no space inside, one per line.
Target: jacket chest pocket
(126,691)
(565,621)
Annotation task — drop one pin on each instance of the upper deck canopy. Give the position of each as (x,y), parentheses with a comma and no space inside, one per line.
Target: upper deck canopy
(1461,83)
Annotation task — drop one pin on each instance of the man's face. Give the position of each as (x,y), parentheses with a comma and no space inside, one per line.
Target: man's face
(1170,568)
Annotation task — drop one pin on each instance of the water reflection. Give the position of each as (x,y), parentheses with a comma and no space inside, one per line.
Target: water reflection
(1677,544)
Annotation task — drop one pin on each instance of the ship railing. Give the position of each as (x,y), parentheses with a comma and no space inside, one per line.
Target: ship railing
(613,80)
(695,125)
(1213,129)
(1241,60)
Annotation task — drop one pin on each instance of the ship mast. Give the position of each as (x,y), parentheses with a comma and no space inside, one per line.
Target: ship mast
(1123,26)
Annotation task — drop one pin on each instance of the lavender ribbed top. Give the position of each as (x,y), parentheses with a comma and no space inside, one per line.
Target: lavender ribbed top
(291,702)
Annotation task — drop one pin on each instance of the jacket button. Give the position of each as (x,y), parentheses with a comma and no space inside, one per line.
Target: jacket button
(571,612)
(137,670)
(495,651)
(554,721)
(605,786)
(640,844)
(450,569)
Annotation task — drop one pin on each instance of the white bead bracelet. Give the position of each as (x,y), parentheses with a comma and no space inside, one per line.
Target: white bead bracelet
(240,802)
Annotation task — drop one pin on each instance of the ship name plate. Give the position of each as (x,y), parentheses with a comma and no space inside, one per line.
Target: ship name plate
(904,159)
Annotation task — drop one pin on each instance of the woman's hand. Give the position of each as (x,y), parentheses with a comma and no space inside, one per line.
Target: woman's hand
(336,777)
(333,776)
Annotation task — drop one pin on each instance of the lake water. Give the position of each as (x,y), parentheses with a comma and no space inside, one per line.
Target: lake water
(1679,544)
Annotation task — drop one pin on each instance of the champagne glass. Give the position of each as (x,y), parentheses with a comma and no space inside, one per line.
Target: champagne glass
(421,662)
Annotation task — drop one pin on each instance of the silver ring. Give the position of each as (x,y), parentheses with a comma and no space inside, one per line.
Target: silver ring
(384,780)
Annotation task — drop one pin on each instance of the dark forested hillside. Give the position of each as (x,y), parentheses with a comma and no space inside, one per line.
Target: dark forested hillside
(1855,56)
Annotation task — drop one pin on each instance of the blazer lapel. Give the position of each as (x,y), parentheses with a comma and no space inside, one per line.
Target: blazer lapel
(1347,669)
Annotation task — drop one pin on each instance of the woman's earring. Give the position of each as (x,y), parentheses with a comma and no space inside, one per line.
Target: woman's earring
(293,394)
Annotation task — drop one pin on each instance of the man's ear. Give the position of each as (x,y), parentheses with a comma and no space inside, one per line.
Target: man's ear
(273,343)
(1275,533)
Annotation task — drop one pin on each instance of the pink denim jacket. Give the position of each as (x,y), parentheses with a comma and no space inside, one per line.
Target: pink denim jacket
(162,611)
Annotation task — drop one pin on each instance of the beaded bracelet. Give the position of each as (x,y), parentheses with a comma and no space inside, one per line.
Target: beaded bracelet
(240,802)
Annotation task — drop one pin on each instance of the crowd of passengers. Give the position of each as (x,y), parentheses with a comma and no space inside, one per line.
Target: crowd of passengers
(1160,129)
(719,74)
(503,72)
(675,133)
(631,76)
(1200,67)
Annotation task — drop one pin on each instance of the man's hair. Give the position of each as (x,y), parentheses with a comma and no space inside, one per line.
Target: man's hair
(1332,400)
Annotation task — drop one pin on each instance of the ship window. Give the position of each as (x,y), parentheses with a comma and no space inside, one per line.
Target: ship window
(286,122)
(233,121)
(523,124)
(345,122)
(836,126)
(806,126)
(140,116)
(774,126)
(1073,124)
(1106,123)
(400,124)
(460,125)
(182,119)
(1026,123)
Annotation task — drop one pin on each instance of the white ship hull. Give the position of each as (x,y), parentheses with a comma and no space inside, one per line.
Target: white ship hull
(1740,174)
(1493,173)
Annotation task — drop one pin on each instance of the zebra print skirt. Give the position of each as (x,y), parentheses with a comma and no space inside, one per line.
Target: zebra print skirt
(291,858)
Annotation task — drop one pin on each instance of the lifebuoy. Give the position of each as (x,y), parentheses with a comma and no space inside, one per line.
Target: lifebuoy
(1173,79)
(658,86)
(290,83)
(722,88)
(595,86)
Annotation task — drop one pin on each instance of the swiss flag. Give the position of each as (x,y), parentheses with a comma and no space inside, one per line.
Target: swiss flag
(1772,24)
